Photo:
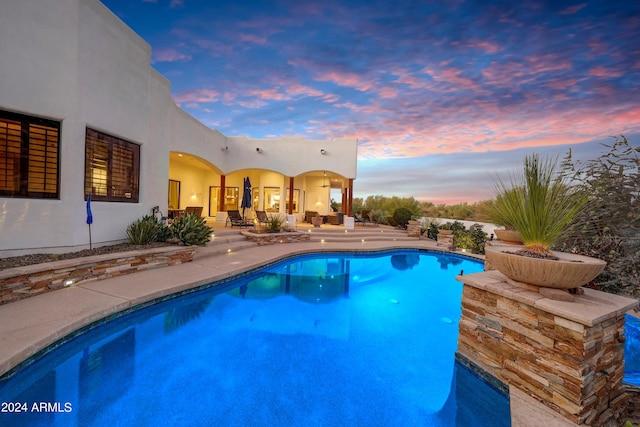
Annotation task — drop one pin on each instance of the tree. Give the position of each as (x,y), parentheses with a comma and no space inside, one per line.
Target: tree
(610,228)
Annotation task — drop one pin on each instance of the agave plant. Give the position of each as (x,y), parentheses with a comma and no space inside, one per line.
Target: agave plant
(275,223)
(539,204)
(191,230)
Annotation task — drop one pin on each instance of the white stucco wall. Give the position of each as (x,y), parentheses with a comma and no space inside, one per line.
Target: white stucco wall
(75,62)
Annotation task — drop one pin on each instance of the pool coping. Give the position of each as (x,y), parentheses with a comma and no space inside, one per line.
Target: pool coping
(34,326)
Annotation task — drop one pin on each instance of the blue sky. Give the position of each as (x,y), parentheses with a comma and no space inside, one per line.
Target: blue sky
(442,95)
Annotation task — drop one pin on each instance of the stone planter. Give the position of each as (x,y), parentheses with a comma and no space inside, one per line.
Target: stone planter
(316,221)
(570,271)
(509,236)
(445,238)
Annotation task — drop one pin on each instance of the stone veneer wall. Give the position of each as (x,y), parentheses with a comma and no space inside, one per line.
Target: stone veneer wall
(272,238)
(414,229)
(568,355)
(23,282)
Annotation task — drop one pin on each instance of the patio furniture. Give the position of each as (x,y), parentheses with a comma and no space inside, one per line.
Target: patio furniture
(367,216)
(359,219)
(262,217)
(336,219)
(195,210)
(236,220)
(308,215)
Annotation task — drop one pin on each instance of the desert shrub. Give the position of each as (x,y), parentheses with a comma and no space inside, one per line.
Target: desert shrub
(609,228)
(147,230)
(191,230)
(275,223)
(433,230)
(477,238)
(401,217)
(471,240)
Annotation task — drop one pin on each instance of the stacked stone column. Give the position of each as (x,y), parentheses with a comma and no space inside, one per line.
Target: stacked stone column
(567,355)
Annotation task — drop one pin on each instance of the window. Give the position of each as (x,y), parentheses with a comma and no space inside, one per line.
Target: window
(174,194)
(29,156)
(296,201)
(112,168)
(272,199)
(231,198)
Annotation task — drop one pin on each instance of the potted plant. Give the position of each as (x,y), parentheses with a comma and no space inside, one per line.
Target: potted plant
(316,221)
(540,206)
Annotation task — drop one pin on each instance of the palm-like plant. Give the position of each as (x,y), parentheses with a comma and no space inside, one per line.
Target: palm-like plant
(539,204)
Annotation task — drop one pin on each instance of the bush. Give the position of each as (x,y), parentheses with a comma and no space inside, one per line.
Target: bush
(610,226)
(147,230)
(471,240)
(401,217)
(191,230)
(275,223)
(477,238)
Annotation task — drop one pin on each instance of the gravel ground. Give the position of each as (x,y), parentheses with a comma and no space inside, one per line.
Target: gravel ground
(21,261)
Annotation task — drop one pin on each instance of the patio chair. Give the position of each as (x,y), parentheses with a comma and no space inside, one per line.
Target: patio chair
(235,219)
(367,216)
(360,219)
(196,210)
(262,217)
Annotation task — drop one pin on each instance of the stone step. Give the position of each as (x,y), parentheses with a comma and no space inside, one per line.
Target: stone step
(221,247)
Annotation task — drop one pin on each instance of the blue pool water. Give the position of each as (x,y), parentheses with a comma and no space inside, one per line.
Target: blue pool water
(316,340)
(632,351)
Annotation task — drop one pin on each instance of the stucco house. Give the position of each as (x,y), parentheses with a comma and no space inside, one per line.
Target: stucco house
(83,112)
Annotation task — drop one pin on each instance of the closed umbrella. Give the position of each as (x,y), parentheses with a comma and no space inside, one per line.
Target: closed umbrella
(246,195)
(89,218)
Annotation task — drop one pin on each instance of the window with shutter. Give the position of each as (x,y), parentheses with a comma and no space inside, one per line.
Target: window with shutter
(112,168)
(29,156)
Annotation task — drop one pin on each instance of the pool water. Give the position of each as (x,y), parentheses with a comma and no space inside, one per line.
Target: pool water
(632,351)
(316,340)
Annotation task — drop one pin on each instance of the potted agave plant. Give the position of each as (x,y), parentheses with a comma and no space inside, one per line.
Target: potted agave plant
(541,206)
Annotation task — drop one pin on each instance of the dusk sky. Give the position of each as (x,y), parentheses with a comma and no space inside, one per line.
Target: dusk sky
(442,95)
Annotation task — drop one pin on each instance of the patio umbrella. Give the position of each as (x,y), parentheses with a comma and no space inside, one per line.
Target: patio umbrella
(89,218)
(246,195)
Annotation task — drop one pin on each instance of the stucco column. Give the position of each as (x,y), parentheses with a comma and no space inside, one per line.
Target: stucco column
(350,212)
(222,193)
(290,206)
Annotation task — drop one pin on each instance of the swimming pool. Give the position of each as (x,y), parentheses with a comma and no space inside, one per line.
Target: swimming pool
(328,340)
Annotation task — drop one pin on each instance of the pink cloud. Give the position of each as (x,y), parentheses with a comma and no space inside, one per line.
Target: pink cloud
(487,46)
(297,89)
(388,92)
(194,97)
(253,38)
(169,55)
(604,72)
(214,48)
(345,79)
(268,94)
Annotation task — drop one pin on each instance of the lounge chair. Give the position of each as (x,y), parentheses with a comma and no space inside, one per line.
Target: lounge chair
(262,217)
(360,219)
(367,216)
(235,219)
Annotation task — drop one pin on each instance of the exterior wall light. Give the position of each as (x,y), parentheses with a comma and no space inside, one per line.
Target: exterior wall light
(323,151)
(225,148)
(258,150)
